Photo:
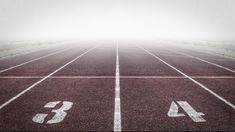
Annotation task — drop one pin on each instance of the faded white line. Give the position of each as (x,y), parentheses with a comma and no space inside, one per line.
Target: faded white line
(38,82)
(201,85)
(1,71)
(117,109)
(127,77)
(214,64)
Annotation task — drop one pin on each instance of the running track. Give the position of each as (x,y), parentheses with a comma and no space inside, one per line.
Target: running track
(117,87)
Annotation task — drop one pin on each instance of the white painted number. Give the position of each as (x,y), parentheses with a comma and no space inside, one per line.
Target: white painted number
(193,114)
(59,113)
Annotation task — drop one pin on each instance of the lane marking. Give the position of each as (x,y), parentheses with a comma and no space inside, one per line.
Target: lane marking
(180,56)
(200,59)
(60,113)
(117,109)
(124,77)
(196,82)
(45,56)
(38,82)
(193,114)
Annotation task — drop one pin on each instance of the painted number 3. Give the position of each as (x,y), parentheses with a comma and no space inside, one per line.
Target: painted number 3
(60,113)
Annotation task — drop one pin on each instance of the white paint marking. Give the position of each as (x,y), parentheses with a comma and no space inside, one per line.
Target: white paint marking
(60,113)
(27,89)
(225,68)
(51,104)
(173,111)
(193,114)
(128,77)
(1,71)
(117,109)
(39,118)
(201,85)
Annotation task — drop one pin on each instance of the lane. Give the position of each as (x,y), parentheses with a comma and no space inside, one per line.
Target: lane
(193,80)
(146,102)
(93,99)
(100,62)
(222,86)
(226,62)
(208,61)
(194,67)
(134,62)
(9,87)
(44,66)
(13,87)
(33,60)
(92,109)
(16,60)
(190,66)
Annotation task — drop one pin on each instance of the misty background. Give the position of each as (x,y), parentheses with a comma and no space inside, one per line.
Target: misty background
(171,19)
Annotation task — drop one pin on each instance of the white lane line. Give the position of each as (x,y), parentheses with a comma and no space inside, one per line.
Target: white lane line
(117,109)
(35,84)
(127,77)
(169,77)
(201,85)
(217,65)
(1,71)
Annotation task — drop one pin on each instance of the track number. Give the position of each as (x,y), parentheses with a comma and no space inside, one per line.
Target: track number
(193,114)
(60,113)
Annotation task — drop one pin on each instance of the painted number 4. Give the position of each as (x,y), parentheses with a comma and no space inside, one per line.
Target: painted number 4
(59,113)
(193,114)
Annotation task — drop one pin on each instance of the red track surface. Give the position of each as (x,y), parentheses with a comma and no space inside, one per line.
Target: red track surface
(147,88)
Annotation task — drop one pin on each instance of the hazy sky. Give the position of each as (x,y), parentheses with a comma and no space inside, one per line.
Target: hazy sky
(200,19)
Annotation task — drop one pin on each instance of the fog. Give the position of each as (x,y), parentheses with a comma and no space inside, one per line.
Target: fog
(112,19)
